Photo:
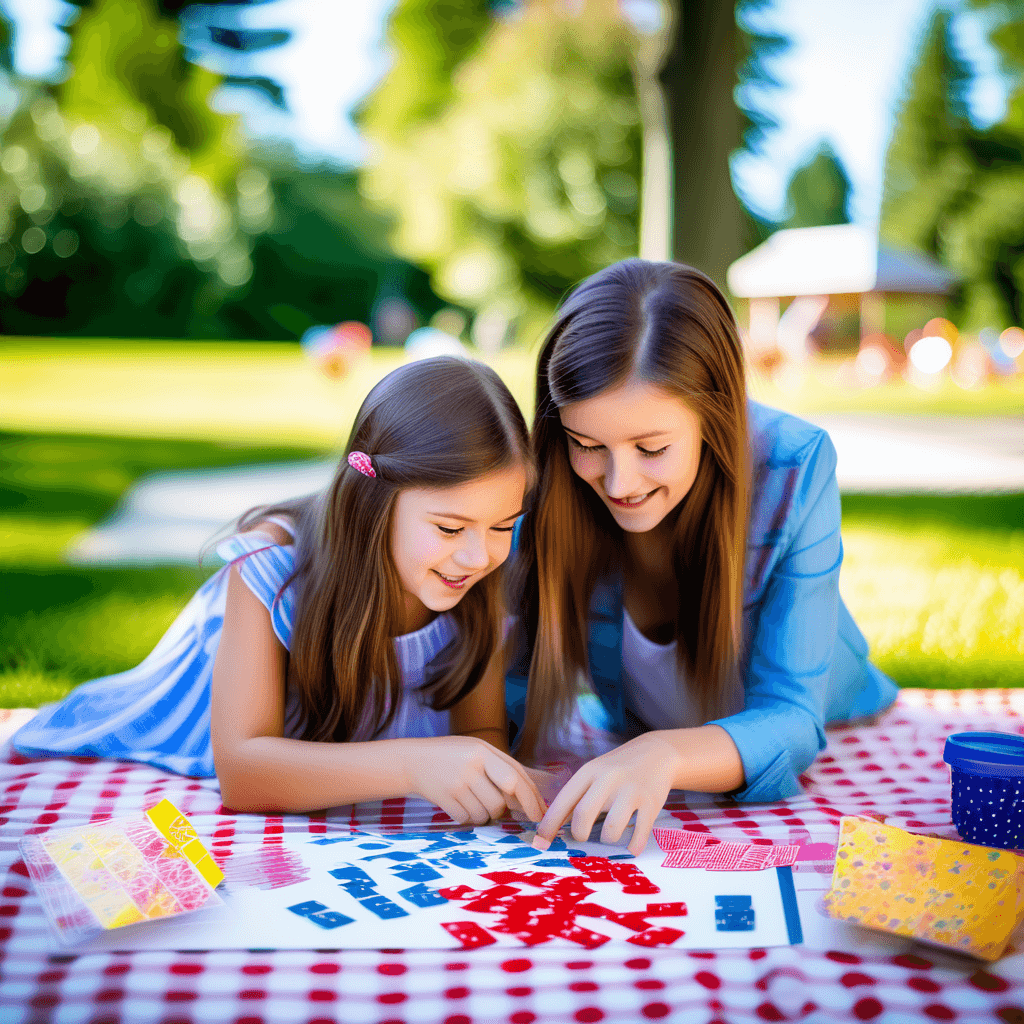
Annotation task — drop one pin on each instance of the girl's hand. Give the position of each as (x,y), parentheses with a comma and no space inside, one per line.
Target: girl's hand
(636,776)
(471,780)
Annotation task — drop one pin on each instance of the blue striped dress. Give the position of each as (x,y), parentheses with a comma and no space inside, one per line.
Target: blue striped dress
(159,712)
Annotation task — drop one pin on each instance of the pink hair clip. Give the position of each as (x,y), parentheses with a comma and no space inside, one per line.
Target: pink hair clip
(360,462)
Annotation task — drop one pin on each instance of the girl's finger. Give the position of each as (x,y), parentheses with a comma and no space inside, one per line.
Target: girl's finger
(621,810)
(525,782)
(646,815)
(513,781)
(492,798)
(562,807)
(454,809)
(591,804)
(478,814)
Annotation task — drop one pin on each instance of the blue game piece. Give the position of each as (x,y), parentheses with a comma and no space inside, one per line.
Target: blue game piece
(416,872)
(622,856)
(393,855)
(577,853)
(329,842)
(465,859)
(373,846)
(509,839)
(307,908)
(734,914)
(330,919)
(519,853)
(422,896)
(440,844)
(552,863)
(733,902)
(383,907)
(352,872)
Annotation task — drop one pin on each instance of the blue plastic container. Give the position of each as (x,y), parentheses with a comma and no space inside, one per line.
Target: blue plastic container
(987,771)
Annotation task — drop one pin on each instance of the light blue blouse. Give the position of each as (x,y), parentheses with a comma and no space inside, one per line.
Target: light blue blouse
(805,662)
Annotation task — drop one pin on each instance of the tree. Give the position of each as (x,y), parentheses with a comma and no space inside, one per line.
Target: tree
(509,152)
(955,190)
(818,192)
(128,206)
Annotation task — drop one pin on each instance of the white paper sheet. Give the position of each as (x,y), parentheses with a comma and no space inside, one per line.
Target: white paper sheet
(255,918)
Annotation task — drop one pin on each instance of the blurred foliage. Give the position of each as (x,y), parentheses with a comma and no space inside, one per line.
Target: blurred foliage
(128,207)
(758,47)
(818,192)
(506,140)
(957,191)
(507,148)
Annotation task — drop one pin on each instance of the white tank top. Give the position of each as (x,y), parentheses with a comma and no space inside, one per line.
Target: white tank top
(656,689)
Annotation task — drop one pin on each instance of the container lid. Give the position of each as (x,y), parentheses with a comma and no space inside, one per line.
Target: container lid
(976,749)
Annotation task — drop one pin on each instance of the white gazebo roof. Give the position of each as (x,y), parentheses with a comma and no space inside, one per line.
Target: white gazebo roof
(834,260)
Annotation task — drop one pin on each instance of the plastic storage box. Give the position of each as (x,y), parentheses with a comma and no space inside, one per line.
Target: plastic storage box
(987,771)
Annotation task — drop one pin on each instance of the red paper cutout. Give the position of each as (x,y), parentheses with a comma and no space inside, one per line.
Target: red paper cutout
(655,937)
(728,856)
(469,933)
(551,912)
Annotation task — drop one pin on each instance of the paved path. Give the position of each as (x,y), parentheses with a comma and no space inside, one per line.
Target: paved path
(168,517)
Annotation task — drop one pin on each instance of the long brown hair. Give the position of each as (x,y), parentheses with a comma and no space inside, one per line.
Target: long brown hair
(670,326)
(434,423)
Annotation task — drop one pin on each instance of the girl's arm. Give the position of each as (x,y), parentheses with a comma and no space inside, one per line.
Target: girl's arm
(482,711)
(261,770)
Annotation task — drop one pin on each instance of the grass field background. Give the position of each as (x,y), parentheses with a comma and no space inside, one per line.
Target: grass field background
(936,582)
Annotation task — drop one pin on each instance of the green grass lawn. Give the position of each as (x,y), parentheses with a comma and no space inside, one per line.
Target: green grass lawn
(61,624)
(937,583)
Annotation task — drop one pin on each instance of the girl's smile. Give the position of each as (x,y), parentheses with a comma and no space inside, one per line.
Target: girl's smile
(455,582)
(444,540)
(638,446)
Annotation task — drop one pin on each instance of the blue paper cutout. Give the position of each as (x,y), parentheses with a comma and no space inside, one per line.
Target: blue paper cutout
(307,908)
(734,914)
(422,896)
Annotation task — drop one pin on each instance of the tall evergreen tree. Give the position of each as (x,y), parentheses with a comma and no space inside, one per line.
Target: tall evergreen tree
(818,192)
(928,163)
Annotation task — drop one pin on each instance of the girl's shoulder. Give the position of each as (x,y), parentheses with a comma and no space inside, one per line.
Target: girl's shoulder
(264,555)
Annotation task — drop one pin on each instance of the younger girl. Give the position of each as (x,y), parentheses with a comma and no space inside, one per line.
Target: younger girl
(351,649)
(684,551)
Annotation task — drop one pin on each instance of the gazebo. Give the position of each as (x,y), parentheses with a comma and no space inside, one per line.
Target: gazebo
(814,266)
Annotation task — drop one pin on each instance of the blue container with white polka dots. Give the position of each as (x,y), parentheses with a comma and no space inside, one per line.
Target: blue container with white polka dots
(987,770)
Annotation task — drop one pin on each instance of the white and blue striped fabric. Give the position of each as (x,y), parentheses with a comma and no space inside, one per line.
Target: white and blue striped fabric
(159,712)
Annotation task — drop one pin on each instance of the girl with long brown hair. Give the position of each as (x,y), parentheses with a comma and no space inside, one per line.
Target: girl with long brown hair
(681,558)
(352,648)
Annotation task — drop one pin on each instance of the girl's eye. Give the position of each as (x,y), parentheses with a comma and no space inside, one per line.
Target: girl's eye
(503,529)
(446,531)
(584,447)
(650,454)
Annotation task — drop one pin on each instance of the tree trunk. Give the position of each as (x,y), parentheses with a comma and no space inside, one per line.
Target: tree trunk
(709,228)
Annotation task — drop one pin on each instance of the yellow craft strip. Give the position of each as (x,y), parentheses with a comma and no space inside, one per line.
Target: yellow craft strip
(178,831)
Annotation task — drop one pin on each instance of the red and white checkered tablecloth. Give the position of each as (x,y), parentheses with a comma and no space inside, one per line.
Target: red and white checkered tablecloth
(892,770)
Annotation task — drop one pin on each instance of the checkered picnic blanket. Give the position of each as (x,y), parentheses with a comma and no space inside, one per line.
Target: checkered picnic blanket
(892,770)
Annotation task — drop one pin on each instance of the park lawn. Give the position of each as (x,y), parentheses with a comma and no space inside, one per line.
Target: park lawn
(61,624)
(270,393)
(936,582)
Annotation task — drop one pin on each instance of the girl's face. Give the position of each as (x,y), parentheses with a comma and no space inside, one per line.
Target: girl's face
(638,446)
(444,540)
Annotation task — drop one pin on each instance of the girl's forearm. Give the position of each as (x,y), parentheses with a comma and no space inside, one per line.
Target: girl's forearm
(707,760)
(272,773)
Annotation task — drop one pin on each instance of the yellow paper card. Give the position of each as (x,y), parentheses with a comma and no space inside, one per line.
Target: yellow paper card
(969,898)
